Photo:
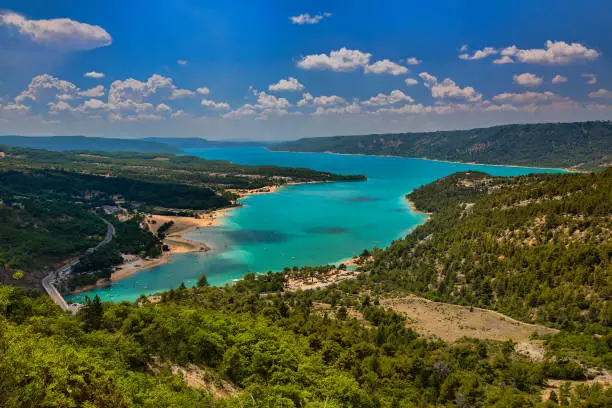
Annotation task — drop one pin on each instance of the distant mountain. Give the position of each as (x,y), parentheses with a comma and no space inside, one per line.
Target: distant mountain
(586,145)
(61,143)
(196,142)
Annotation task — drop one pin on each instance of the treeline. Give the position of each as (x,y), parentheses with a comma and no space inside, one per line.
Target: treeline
(274,350)
(69,185)
(586,145)
(163,167)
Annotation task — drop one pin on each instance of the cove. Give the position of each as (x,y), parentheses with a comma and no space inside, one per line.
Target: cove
(308,224)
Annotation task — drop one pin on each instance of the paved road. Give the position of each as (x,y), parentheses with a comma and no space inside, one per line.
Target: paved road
(48,281)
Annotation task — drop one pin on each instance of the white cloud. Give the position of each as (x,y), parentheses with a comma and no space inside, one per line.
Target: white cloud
(203,90)
(266,101)
(181,94)
(162,107)
(44,82)
(480,54)
(500,108)
(385,67)
(306,99)
(528,97)
(62,33)
(428,79)
(96,92)
(243,111)
(328,100)
(15,107)
(134,90)
(182,62)
(411,81)
(394,97)
(591,79)
(556,53)
(350,109)
(290,84)
(61,106)
(559,79)
(598,107)
(214,105)
(464,48)
(94,75)
(601,94)
(504,60)
(528,79)
(178,113)
(306,18)
(342,60)
(413,61)
(448,89)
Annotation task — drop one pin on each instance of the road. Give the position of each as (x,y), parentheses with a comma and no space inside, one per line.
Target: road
(48,281)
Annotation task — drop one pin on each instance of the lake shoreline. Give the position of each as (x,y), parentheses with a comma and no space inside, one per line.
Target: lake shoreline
(566,169)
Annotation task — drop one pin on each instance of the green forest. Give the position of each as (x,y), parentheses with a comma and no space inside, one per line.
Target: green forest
(583,145)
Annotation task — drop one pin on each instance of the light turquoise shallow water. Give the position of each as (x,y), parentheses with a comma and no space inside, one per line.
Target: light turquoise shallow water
(308,224)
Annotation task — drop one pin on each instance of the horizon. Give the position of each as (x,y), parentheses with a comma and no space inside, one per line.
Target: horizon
(310,71)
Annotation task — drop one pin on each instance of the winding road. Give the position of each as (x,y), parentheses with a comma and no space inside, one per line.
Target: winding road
(48,281)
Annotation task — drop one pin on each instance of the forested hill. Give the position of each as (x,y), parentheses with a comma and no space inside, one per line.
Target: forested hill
(61,143)
(583,145)
(199,143)
(536,247)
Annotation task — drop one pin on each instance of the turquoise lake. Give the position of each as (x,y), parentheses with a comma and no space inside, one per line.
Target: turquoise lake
(309,224)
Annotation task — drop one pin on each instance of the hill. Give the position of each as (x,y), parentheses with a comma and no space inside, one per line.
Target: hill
(584,145)
(62,143)
(196,142)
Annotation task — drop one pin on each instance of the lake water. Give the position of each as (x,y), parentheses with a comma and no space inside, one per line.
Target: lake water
(309,224)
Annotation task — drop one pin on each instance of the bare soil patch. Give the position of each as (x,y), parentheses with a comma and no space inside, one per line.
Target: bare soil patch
(451,322)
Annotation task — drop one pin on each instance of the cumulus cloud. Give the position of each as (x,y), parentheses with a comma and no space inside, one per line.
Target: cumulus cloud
(528,79)
(182,62)
(411,81)
(350,109)
(266,101)
(245,110)
(385,67)
(94,75)
(591,79)
(556,53)
(214,105)
(306,99)
(181,94)
(203,90)
(500,108)
(528,97)
(394,97)
(413,61)
(328,100)
(306,18)
(601,94)
(559,79)
(504,60)
(448,89)
(480,54)
(290,84)
(96,92)
(62,33)
(342,60)
(162,107)
(45,82)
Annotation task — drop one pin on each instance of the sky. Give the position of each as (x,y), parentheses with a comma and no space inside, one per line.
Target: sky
(277,70)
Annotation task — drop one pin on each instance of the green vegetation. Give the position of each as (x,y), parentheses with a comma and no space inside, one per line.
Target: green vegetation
(584,145)
(166,168)
(272,351)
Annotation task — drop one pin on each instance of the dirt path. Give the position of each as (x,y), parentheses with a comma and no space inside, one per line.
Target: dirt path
(452,322)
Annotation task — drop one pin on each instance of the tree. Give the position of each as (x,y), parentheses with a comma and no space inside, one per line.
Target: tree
(92,313)
(203,281)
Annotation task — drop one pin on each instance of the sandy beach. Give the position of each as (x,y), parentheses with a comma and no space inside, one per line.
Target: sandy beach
(175,240)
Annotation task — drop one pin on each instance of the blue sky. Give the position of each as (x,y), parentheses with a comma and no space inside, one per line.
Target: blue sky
(248,70)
